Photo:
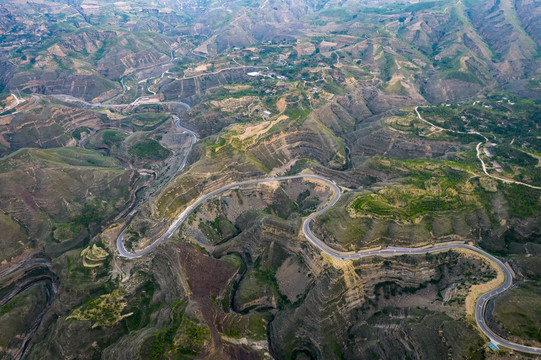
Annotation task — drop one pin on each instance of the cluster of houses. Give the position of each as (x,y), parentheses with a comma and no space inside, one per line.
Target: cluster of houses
(270,74)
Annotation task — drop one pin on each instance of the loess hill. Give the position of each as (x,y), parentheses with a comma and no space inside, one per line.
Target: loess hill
(98,100)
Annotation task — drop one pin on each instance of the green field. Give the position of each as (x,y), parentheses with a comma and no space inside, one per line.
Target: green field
(149,149)
(518,312)
(424,192)
(148,120)
(113,137)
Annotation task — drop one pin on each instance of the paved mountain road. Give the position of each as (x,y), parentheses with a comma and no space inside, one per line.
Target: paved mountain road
(184,215)
(481,304)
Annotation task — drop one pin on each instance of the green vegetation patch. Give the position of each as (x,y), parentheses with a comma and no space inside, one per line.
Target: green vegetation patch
(252,325)
(104,311)
(182,336)
(462,76)
(191,336)
(148,120)
(149,149)
(76,134)
(15,233)
(70,156)
(91,213)
(510,124)
(260,281)
(513,155)
(396,88)
(518,311)
(220,229)
(94,256)
(523,201)
(439,189)
(113,137)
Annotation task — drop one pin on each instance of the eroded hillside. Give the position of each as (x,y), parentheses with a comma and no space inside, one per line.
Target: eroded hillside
(417,121)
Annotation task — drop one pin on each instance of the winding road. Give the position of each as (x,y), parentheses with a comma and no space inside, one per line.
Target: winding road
(480,307)
(481,304)
(482,301)
(31,106)
(184,215)
(69,98)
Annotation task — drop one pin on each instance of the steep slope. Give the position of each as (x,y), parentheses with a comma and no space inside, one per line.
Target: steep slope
(60,196)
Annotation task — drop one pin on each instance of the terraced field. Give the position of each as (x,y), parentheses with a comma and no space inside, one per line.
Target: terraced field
(232,180)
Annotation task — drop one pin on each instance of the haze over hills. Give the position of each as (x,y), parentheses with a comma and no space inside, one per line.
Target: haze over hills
(270,179)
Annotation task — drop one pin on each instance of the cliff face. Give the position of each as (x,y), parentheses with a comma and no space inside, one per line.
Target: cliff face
(382,308)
